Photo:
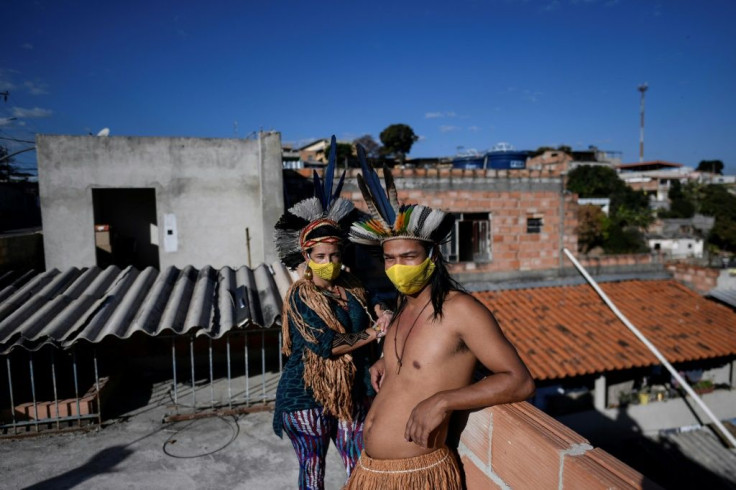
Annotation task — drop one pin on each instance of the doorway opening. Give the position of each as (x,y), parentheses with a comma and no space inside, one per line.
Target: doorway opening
(126,230)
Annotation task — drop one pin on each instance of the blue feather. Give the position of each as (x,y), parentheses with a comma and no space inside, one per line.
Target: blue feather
(339,187)
(374,185)
(329,174)
(319,191)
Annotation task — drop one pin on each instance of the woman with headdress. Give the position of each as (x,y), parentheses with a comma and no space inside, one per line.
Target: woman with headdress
(324,391)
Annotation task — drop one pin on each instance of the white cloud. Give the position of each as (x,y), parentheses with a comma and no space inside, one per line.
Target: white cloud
(36,88)
(473,128)
(437,115)
(35,113)
(448,128)
(6,121)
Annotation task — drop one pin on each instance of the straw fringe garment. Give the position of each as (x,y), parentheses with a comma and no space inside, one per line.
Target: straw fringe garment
(437,470)
(330,379)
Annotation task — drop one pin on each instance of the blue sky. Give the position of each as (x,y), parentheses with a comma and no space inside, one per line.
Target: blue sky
(461,74)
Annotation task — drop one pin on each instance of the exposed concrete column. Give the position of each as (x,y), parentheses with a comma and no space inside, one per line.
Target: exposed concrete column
(599,394)
(733,374)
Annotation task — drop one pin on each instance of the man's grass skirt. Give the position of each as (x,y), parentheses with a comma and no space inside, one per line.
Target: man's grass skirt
(437,470)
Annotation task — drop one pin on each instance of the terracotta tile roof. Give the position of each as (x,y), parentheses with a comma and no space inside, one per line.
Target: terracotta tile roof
(569,331)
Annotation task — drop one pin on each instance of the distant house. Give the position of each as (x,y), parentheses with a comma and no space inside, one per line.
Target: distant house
(680,238)
(654,178)
(558,162)
(315,152)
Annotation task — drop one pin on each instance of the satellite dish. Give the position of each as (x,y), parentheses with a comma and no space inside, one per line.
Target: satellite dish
(104,132)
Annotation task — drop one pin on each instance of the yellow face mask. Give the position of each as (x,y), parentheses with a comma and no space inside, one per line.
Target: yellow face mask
(328,271)
(410,279)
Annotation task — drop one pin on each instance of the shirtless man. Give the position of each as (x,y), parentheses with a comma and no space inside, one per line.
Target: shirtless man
(430,352)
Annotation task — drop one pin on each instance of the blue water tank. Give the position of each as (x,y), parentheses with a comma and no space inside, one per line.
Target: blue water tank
(504,160)
(468,162)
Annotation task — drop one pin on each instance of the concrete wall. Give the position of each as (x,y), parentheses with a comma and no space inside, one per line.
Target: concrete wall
(215,189)
(726,279)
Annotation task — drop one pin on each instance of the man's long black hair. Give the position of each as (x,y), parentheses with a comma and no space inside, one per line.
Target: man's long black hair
(441,282)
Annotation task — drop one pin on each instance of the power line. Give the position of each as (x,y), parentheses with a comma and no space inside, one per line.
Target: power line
(17,140)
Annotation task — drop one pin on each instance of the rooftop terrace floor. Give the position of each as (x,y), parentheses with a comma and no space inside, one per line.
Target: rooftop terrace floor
(138,450)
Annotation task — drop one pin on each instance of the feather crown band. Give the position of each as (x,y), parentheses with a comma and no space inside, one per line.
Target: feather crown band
(324,209)
(390,220)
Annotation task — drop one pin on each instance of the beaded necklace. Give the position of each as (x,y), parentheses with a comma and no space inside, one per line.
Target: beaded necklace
(400,358)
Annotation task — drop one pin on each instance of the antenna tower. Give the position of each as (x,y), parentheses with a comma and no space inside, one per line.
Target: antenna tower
(642,88)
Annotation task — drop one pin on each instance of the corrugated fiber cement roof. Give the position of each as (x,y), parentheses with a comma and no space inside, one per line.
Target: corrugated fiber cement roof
(91,304)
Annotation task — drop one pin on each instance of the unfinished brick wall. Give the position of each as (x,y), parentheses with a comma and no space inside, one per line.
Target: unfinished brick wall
(519,446)
(510,196)
(698,278)
(616,260)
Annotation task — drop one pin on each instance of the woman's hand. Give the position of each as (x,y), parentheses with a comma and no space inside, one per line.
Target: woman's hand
(383,322)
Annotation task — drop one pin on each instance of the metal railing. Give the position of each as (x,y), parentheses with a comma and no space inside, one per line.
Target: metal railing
(240,386)
(205,380)
(36,415)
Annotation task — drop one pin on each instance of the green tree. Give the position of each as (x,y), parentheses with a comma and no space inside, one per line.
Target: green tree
(624,239)
(718,202)
(398,139)
(629,209)
(712,166)
(372,149)
(594,181)
(345,155)
(721,204)
(723,235)
(680,204)
(592,227)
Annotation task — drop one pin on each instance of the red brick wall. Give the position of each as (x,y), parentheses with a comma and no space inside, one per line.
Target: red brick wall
(519,446)
(698,278)
(616,260)
(512,248)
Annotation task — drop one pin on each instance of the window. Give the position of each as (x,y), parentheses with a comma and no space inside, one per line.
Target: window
(470,240)
(533,225)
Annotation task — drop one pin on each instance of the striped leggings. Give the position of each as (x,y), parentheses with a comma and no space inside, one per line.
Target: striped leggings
(310,432)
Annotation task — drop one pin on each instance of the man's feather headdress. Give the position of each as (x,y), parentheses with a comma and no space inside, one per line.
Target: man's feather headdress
(388,218)
(325,208)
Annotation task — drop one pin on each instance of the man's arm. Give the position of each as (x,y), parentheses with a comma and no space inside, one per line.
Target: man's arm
(509,382)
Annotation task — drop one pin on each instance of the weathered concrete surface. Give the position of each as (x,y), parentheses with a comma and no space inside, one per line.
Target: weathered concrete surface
(215,188)
(139,451)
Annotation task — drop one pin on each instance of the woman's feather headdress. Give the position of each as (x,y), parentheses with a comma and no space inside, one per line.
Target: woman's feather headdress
(388,219)
(325,205)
